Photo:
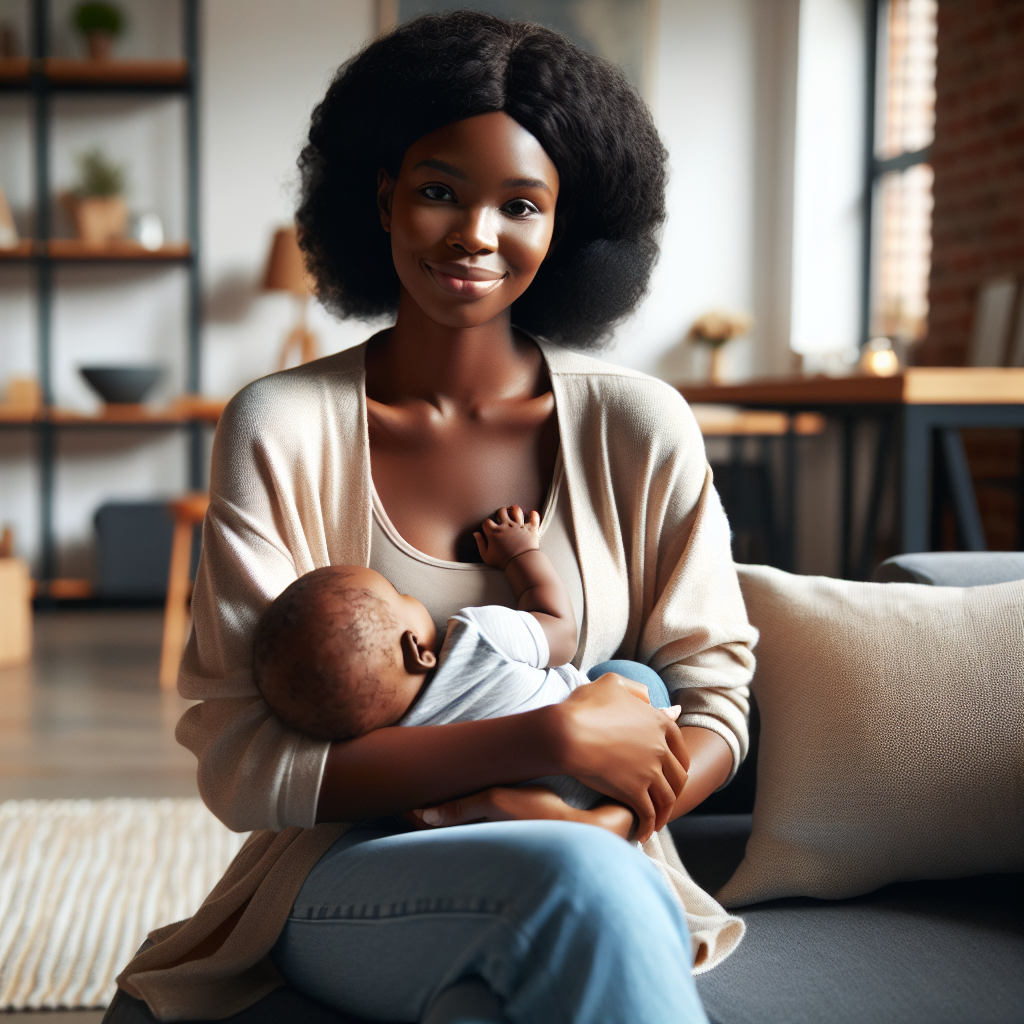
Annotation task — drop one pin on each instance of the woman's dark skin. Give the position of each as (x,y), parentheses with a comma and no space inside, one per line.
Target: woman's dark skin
(462,421)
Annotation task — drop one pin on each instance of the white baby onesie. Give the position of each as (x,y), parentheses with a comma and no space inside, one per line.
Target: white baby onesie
(492,665)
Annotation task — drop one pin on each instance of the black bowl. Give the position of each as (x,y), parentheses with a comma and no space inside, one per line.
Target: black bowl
(121,384)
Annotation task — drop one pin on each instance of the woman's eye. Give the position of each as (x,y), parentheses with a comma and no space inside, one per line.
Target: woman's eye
(520,208)
(439,193)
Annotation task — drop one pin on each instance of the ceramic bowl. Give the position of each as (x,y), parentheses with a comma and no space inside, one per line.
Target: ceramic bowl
(121,384)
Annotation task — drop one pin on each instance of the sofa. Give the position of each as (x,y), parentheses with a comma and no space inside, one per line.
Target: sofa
(946,950)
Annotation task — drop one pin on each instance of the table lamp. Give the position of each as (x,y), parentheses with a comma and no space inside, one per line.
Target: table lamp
(286,272)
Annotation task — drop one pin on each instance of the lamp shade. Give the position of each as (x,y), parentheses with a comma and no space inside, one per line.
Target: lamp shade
(286,267)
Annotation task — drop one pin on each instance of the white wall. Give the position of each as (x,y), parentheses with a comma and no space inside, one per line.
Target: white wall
(265,65)
(704,107)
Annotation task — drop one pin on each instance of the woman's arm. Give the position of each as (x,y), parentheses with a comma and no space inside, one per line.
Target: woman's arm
(601,735)
(710,763)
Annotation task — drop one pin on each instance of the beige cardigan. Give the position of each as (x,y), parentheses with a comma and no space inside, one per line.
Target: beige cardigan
(290,491)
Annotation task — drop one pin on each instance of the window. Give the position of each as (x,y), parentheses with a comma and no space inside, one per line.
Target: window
(900,183)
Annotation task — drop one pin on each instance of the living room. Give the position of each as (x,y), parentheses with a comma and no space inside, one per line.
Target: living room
(838,297)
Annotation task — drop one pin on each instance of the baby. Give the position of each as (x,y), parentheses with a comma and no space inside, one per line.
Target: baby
(341,652)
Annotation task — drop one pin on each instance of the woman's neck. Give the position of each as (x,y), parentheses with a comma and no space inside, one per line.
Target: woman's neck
(465,366)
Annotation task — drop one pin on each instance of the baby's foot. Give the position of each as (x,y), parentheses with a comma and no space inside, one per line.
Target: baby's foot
(499,542)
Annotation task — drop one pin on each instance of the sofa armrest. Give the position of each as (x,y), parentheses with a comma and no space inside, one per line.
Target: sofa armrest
(952,568)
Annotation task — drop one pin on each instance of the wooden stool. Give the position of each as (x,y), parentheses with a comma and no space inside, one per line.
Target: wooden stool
(188,512)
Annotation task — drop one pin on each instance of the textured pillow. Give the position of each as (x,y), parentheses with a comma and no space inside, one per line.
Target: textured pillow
(892,734)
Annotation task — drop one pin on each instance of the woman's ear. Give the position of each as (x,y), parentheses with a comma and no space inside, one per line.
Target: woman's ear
(385,193)
(417,659)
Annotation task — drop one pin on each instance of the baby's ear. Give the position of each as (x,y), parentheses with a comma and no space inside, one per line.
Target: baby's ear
(417,659)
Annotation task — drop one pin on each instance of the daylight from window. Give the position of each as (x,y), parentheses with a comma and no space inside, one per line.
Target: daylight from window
(905,127)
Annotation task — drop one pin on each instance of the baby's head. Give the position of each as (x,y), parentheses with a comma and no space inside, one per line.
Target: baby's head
(342,652)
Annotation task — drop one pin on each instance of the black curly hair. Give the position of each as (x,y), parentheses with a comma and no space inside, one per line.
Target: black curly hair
(443,68)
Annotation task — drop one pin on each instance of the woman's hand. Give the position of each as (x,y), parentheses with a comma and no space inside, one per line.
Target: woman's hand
(521,803)
(623,748)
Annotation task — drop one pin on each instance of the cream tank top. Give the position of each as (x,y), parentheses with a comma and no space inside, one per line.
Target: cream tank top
(445,587)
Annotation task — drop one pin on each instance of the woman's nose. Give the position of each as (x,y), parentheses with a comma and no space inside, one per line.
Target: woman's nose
(476,235)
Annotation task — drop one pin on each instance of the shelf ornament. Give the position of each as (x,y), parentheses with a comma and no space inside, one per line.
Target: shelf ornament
(715,329)
(286,272)
(101,24)
(97,207)
(8,232)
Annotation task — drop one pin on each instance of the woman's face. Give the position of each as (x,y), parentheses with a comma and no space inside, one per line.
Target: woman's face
(471,217)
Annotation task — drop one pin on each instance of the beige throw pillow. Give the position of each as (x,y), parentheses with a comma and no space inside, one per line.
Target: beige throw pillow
(892,734)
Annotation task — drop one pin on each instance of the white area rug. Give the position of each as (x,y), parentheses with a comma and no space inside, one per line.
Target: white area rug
(83,881)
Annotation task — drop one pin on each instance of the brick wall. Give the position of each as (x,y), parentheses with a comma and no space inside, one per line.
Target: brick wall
(978,157)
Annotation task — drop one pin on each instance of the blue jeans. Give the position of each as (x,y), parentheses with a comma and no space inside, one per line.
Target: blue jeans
(656,687)
(539,922)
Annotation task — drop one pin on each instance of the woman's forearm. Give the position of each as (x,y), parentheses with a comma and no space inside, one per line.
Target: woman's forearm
(710,764)
(396,769)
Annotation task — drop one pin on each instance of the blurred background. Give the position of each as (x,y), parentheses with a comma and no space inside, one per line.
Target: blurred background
(838,296)
(840,172)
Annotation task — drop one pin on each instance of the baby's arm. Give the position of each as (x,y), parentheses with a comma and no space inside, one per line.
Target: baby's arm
(512,544)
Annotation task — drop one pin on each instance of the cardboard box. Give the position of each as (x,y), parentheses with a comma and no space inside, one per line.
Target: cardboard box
(15,612)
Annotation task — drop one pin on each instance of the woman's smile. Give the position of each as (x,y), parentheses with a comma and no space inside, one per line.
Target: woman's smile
(461,279)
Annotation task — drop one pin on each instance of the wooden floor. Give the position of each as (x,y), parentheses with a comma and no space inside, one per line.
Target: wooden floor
(87,719)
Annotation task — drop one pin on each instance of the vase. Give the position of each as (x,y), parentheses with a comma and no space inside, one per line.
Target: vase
(99,220)
(716,374)
(100,44)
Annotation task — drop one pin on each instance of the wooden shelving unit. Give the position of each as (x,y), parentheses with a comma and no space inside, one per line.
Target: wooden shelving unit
(72,250)
(43,77)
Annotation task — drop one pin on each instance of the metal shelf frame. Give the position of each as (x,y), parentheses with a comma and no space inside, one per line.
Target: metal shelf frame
(42,89)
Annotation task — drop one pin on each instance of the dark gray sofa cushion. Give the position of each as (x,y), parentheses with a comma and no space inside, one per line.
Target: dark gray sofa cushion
(952,568)
(947,952)
(282,1006)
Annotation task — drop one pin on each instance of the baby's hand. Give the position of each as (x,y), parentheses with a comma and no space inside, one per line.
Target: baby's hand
(501,541)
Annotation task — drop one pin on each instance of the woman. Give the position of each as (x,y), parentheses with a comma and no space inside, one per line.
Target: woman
(519,188)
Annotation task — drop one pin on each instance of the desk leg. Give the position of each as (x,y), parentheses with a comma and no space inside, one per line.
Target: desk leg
(971,533)
(788,554)
(846,501)
(1020,497)
(915,479)
(881,470)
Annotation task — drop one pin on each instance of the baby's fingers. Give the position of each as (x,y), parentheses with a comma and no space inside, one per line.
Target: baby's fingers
(535,519)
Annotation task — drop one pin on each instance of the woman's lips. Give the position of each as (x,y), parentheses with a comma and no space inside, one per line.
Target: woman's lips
(454,279)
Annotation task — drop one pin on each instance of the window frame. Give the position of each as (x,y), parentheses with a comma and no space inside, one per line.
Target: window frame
(875,168)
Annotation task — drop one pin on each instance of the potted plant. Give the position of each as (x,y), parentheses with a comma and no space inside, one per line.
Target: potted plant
(715,329)
(100,23)
(97,206)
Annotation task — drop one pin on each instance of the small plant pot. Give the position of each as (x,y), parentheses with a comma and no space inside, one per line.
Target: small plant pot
(100,44)
(99,220)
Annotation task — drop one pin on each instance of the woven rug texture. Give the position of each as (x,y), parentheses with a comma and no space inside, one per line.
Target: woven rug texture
(83,881)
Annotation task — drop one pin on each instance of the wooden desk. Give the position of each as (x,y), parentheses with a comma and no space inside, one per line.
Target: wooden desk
(765,427)
(927,407)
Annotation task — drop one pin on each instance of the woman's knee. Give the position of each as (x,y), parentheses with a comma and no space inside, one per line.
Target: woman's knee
(597,872)
(639,674)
